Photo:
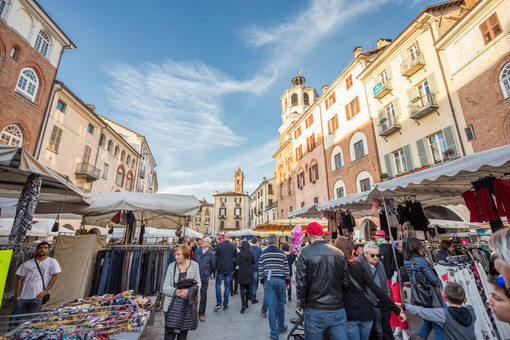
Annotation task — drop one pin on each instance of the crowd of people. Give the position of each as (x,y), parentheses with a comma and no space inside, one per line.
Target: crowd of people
(343,291)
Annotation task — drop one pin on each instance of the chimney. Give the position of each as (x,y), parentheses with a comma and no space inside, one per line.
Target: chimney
(325,88)
(381,42)
(91,106)
(265,179)
(357,51)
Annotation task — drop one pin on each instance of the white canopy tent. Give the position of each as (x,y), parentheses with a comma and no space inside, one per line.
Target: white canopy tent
(245,232)
(193,233)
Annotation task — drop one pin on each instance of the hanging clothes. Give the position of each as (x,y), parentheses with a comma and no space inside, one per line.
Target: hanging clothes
(480,205)
(418,218)
(502,193)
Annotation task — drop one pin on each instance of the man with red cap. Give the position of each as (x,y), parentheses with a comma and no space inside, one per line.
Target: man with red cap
(321,274)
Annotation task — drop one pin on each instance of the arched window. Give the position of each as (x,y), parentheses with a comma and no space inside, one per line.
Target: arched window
(293,100)
(120,177)
(128,160)
(129,181)
(504,80)
(42,43)
(116,152)
(337,158)
(110,146)
(102,140)
(339,189)
(28,83)
(306,99)
(358,146)
(133,163)
(364,181)
(123,156)
(11,135)
(15,51)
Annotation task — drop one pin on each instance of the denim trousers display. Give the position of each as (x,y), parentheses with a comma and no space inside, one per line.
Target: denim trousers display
(227,277)
(274,291)
(359,330)
(318,321)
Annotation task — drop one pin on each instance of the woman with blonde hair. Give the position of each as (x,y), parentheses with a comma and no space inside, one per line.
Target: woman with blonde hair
(500,244)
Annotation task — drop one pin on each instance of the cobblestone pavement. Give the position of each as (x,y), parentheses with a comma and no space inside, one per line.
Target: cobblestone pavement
(228,324)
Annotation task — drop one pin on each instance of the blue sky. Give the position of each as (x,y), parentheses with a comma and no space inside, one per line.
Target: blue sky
(202,79)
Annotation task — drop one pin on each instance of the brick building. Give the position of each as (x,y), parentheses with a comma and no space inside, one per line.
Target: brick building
(31,46)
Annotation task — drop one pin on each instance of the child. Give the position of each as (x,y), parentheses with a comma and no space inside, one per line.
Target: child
(458,322)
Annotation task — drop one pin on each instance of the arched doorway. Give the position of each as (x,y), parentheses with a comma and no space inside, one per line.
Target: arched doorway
(367,229)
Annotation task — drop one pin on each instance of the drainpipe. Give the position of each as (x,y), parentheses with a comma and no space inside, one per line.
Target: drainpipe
(446,86)
(324,153)
(97,156)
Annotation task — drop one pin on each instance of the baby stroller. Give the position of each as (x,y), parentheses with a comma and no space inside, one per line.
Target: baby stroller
(298,331)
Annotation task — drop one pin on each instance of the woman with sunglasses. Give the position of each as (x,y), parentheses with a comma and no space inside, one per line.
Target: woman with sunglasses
(415,261)
(499,300)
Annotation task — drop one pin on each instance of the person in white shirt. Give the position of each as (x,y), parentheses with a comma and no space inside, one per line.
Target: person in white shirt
(30,289)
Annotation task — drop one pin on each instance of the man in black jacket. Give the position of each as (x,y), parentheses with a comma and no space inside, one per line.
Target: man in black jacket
(321,274)
(225,258)
(206,262)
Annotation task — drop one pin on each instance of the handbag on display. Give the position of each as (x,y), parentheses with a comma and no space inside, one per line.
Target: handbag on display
(377,325)
(46,297)
(424,294)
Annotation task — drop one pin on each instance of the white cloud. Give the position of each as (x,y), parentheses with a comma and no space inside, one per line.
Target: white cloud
(179,174)
(200,187)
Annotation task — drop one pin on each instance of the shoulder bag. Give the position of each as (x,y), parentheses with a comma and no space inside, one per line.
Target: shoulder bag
(46,297)
(377,325)
(424,294)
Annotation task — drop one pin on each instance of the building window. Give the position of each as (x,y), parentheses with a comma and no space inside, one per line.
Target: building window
(297,133)
(223,212)
(333,124)
(365,184)
(86,154)
(120,177)
(316,200)
(352,108)
(15,52)
(91,129)
(28,83)
(282,190)
(504,80)
(490,29)
(384,77)
(128,160)
(237,200)
(11,135)
(56,136)
(390,111)
(348,82)
(400,161)
(293,100)
(123,156)
(2,7)
(105,171)
(129,181)
(359,150)
(133,163)
(222,224)
(310,142)
(291,187)
(423,90)
(110,146)
(306,99)
(338,161)
(309,121)
(61,106)
(102,140)
(116,152)
(301,180)
(302,204)
(223,200)
(42,43)
(314,173)
(437,145)
(340,192)
(330,101)
(413,52)
(299,152)
(237,224)
(237,211)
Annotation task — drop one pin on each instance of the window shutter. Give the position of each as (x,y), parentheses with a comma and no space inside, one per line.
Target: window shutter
(334,97)
(310,173)
(308,144)
(387,161)
(409,157)
(357,104)
(410,94)
(396,107)
(432,83)
(329,127)
(449,137)
(422,152)
(381,114)
(417,45)
(311,119)
(403,56)
(388,72)
(347,115)
(336,122)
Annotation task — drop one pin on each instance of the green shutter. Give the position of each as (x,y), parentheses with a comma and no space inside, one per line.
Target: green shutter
(422,152)
(380,112)
(449,137)
(409,157)
(410,94)
(432,83)
(396,107)
(388,72)
(387,161)
(403,56)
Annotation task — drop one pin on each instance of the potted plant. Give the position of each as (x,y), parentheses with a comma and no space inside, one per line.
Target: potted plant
(384,176)
(448,153)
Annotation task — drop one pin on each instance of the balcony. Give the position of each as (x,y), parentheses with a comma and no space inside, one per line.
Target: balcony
(87,171)
(237,216)
(388,126)
(238,204)
(382,89)
(422,106)
(412,65)
(271,206)
(222,217)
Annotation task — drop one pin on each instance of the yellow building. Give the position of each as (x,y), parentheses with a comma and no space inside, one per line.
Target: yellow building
(263,203)
(202,220)
(417,121)
(78,143)
(231,207)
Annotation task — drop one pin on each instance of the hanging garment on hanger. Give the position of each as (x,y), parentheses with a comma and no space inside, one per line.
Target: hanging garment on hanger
(418,219)
(502,193)
(479,204)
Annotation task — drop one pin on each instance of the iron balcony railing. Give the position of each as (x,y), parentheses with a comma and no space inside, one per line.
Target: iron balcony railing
(382,89)
(412,64)
(388,125)
(422,106)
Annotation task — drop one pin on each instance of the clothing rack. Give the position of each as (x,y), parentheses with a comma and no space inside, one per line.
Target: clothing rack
(139,247)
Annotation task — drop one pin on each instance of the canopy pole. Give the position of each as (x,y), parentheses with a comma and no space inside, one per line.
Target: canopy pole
(401,289)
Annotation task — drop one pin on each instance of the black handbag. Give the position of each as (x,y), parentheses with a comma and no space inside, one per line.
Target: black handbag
(46,297)
(424,294)
(377,325)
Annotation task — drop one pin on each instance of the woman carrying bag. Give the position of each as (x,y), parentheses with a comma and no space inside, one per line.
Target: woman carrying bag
(181,287)
(424,285)
(245,260)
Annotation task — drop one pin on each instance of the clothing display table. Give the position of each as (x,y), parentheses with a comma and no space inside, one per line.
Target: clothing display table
(121,316)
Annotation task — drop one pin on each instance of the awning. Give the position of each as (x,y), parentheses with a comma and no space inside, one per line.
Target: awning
(360,204)
(16,165)
(288,225)
(309,212)
(245,232)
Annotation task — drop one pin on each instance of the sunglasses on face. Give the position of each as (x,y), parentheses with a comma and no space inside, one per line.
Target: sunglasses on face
(374,255)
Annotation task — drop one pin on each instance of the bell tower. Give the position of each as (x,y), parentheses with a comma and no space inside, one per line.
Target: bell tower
(239,181)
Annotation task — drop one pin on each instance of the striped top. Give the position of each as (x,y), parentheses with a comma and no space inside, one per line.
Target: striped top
(193,272)
(273,259)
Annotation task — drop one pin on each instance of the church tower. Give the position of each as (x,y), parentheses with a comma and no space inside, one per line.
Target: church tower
(239,181)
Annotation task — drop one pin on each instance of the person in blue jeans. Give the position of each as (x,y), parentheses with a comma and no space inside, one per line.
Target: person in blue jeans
(225,255)
(257,251)
(275,278)
(321,274)
(414,261)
